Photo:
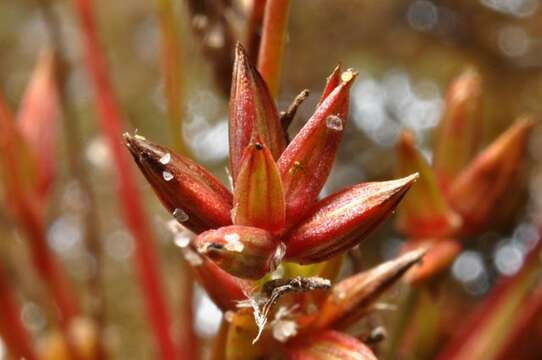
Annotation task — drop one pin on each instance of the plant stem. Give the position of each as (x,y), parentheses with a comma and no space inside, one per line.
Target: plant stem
(12,329)
(189,343)
(77,170)
(111,124)
(405,313)
(253,34)
(171,68)
(31,222)
(272,46)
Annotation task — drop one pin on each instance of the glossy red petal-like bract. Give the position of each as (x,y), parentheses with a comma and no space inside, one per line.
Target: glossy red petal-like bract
(306,163)
(252,112)
(350,298)
(329,345)
(192,194)
(258,195)
(476,192)
(243,251)
(343,219)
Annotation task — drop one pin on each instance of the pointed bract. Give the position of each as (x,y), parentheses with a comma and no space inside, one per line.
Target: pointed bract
(37,121)
(258,195)
(329,345)
(460,128)
(477,190)
(332,81)
(252,112)
(189,192)
(306,163)
(424,211)
(440,255)
(224,289)
(344,219)
(350,298)
(243,251)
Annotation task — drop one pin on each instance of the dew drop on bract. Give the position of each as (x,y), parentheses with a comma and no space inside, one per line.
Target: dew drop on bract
(334,122)
(181,240)
(228,316)
(339,295)
(167,175)
(233,243)
(180,215)
(164,160)
(192,257)
(284,329)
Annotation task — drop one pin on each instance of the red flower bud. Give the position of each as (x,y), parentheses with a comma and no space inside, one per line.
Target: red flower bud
(350,298)
(252,112)
(242,251)
(424,212)
(440,255)
(306,163)
(460,128)
(332,82)
(193,195)
(344,219)
(328,345)
(478,189)
(258,196)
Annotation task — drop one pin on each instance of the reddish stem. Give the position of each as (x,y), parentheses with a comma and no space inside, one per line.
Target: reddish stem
(171,68)
(12,330)
(275,22)
(189,344)
(253,34)
(111,124)
(30,219)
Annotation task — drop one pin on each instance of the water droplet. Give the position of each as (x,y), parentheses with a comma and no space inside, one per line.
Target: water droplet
(180,215)
(192,257)
(339,295)
(334,122)
(233,242)
(164,160)
(347,75)
(167,175)
(228,316)
(284,329)
(181,240)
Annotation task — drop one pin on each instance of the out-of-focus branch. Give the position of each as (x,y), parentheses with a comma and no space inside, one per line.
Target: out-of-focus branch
(76,167)
(28,215)
(173,76)
(111,123)
(172,64)
(275,23)
(253,34)
(12,330)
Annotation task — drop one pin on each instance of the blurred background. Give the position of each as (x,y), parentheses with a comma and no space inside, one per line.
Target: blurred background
(406,52)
